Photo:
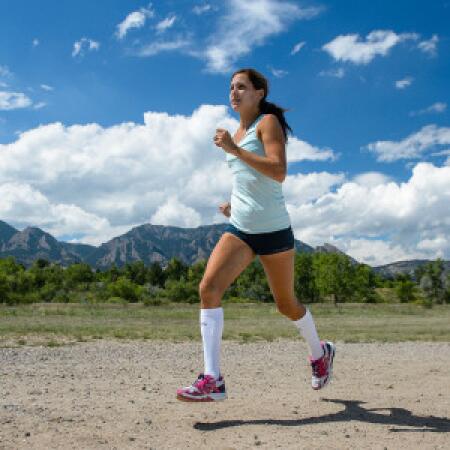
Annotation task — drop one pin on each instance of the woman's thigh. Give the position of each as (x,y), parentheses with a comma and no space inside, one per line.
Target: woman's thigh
(228,259)
(279,269)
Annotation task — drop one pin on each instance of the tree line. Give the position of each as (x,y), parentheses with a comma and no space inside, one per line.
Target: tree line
(318,277)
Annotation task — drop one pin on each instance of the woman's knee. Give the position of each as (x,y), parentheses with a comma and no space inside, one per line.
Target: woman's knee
(210,294)
(290,308)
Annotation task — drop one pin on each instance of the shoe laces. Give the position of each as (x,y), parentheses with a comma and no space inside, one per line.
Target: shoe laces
(319,367)
(203,382)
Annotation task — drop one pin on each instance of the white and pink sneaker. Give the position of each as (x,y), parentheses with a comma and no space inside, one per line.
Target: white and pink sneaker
(322,368)
(205,389)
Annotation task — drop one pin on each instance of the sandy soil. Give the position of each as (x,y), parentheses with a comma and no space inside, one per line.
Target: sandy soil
(120,395)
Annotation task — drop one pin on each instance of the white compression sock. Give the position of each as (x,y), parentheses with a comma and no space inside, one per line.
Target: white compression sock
(308,331)
(211,326)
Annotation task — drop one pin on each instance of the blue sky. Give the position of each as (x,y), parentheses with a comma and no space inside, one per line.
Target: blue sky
(366,85)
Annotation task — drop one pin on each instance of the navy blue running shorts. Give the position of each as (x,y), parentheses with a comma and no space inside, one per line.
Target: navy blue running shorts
(265,243)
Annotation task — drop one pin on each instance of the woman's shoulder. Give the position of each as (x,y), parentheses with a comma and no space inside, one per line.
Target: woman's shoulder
(268,121)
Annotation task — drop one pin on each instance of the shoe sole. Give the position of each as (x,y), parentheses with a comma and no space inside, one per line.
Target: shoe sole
(209,398)
(330,373)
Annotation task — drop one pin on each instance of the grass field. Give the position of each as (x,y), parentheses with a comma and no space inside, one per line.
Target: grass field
(56,324)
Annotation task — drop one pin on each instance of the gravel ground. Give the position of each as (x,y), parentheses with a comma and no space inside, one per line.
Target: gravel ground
(120,395)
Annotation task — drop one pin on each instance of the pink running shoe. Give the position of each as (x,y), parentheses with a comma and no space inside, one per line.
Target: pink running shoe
(322,368)
(205,389)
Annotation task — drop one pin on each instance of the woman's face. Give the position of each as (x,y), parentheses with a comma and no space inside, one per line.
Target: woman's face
(243,96)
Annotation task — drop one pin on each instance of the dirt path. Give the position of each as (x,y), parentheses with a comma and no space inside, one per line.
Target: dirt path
(115,394)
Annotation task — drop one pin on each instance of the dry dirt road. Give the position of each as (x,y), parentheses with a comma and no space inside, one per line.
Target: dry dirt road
(121,395)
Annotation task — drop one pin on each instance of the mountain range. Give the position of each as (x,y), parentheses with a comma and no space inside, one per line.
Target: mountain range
(147,243)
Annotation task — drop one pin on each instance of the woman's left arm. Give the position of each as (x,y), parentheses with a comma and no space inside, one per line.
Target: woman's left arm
(273,164)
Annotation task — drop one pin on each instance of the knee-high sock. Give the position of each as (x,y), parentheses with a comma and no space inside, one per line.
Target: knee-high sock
(211,327)
(308,330)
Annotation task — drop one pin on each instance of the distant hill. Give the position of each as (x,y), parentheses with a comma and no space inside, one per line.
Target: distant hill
(6,233)
(147,243)
(33,243)
(404,267)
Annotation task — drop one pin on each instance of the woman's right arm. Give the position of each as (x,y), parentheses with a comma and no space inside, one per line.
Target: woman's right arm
(225,209)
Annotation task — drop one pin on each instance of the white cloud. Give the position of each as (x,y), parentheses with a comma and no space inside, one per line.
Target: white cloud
(175,213)
(39,105)
(35,42)
(412,146)
(246,25)
(379,222)
(442,153)
(165,24)
(163,46)
(336,73)
(113,178)
(201,9)
(429,47)
(304,188)
(25,205)
(46,87)
(371,179)
(298,150)
(83,44)
(98,182)
(404,83)
(351,48)
(278,73)
(438,107)
(13,100)
(297,47)
(135,19)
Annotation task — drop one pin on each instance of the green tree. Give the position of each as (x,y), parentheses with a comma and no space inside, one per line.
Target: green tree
(78,273)
(136,272)
(333,274)
(125,289)
(305,286)
(176,269)
(405,290)
(5,290)
(155,275)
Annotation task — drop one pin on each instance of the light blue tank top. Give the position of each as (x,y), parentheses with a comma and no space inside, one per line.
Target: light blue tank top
(257,201)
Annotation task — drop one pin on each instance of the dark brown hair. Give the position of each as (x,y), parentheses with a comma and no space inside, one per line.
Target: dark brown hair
(259,81)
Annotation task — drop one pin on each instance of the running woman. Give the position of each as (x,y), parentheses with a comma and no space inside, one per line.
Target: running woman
(259,225)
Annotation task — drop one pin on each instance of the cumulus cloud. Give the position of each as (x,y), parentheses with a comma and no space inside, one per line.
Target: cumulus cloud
(404,83)
(298,150)
(438,107)
(124,175)
(379,221)
(297,47)
(13,100)
(351,48)
(79,47)
(246,25)
(97,182)
(303,188)
(175,213)
(413,146)
(371,179)
(429,46)
(135,19)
